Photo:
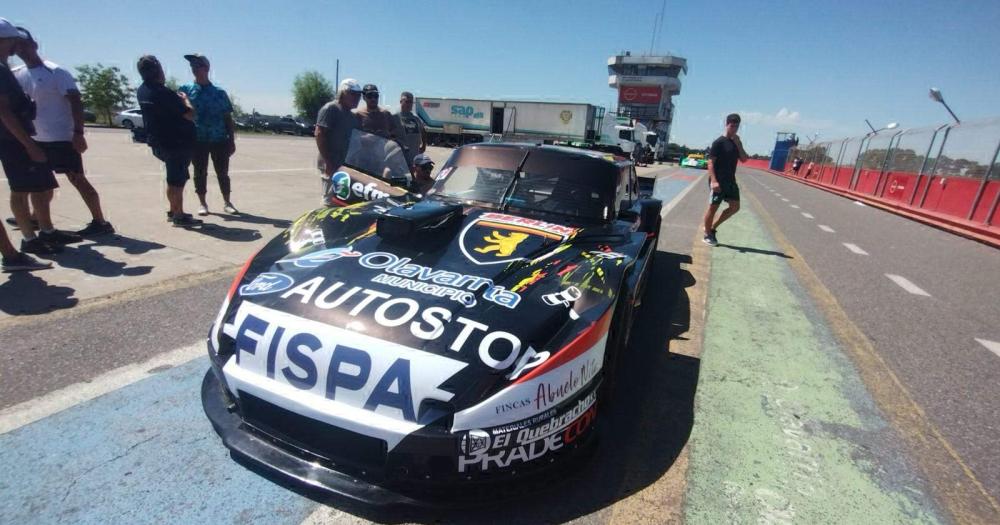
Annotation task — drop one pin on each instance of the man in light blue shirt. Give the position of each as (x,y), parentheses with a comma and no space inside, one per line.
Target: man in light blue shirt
(215,132)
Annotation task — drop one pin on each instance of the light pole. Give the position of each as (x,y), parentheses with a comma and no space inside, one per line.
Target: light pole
(938,97)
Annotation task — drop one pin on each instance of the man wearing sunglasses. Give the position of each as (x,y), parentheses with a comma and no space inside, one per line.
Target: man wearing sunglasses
(726,152)
(334,125)
(373,118)
(215,132)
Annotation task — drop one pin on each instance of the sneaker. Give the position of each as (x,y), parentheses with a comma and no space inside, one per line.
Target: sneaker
(23,262)
(40,247)
(59,237)
(203,210)
(13,222)
(230,209)
(710,239)
(187,220)
(170,216)
(96,228)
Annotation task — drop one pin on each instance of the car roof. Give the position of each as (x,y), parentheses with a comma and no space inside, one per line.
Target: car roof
(565,150)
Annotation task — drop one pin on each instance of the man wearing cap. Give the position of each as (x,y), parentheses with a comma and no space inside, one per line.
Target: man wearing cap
(334,124)
(169,119)
(24,161)
(215,132)
(373,118)
(422,168)
(408,128)
(59,125)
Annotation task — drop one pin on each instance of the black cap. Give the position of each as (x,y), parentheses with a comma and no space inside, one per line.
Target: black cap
(197,59)
(369,88)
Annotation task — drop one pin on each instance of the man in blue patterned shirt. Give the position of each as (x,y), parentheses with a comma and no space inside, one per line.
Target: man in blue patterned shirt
(215,132)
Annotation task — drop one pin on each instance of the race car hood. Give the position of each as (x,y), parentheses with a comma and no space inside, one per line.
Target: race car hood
(474,301)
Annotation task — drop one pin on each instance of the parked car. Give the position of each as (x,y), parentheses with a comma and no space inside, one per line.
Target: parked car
(128,119)
(405,351)
(289,125)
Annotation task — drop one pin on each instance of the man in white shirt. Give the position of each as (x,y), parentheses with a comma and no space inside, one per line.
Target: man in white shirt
(59,125)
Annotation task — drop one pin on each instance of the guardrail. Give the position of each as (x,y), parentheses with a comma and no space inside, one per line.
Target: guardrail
(947,174)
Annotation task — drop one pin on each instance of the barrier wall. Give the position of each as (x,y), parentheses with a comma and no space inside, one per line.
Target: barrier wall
(948,175)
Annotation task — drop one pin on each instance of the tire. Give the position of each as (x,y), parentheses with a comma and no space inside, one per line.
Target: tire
(618,336)
(127,124)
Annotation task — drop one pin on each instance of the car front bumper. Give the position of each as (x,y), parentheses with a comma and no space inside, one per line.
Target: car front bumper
(273,457)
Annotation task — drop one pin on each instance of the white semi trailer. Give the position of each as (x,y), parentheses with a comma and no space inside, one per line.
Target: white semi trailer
(455,121)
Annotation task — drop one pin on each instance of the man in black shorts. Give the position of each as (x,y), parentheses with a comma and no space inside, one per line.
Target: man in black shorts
(24,161)
(726,152)
(169,119)
(59,125)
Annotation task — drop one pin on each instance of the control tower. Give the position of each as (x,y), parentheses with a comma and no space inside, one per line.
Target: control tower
(646,86)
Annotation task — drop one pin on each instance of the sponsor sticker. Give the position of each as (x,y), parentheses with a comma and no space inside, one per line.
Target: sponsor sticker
(317,259)
(498,238)
(524,441)
(339,365)
(265,283)
(341,182)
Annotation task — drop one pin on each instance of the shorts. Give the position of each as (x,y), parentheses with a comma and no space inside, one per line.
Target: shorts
(728,191)
(177,161)
(62,157)
(23,174)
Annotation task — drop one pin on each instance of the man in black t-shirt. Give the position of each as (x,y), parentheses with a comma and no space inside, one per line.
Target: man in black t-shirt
(726,152)
(169,121)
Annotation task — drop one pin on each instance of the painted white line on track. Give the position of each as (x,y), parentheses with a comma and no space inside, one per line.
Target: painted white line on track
(794,206)
(905,284)
(673,202)
(808,215)
(859,203)
(784,199)
(827,229)
(17,416)
(855,248)
(992,346)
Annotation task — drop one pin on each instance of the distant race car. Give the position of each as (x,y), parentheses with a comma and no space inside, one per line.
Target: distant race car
(695,160)
(398,351)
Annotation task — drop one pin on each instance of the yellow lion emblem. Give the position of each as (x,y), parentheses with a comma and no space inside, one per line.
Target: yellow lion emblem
(503,245)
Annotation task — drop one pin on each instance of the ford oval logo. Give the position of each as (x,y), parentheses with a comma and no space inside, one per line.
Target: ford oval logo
(265,283)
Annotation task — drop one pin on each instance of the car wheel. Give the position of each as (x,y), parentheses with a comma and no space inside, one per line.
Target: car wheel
(618,335)
(127,124)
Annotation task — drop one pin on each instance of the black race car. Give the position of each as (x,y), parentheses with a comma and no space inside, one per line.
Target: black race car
(396,350)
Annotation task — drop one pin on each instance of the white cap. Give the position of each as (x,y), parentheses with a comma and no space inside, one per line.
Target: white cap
(421,159)
(349,84)
(8,30)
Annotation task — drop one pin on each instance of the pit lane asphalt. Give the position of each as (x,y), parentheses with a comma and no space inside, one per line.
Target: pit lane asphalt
(145,452)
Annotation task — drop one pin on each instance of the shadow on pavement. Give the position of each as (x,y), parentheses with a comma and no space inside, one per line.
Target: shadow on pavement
(746,249)
(130,245)
(85,258)
(640,435)
(28,294)
(226,233)
(254,219)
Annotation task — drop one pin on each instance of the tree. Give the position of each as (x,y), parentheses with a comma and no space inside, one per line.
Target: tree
(104,88)
(310,91)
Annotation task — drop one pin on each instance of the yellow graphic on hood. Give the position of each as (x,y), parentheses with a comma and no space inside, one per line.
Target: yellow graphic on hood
(503,245)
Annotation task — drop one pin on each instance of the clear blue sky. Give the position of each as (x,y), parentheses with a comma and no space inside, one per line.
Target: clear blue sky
(800,66)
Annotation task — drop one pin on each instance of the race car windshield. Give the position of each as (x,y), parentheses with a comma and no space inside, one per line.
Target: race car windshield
(377,156)
(549,181)
(478,175)
(572,185)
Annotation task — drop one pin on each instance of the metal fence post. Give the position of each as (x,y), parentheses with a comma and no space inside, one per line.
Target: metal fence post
(862,149)
(923,164)
(982,186)
(934,168)
(879,188)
